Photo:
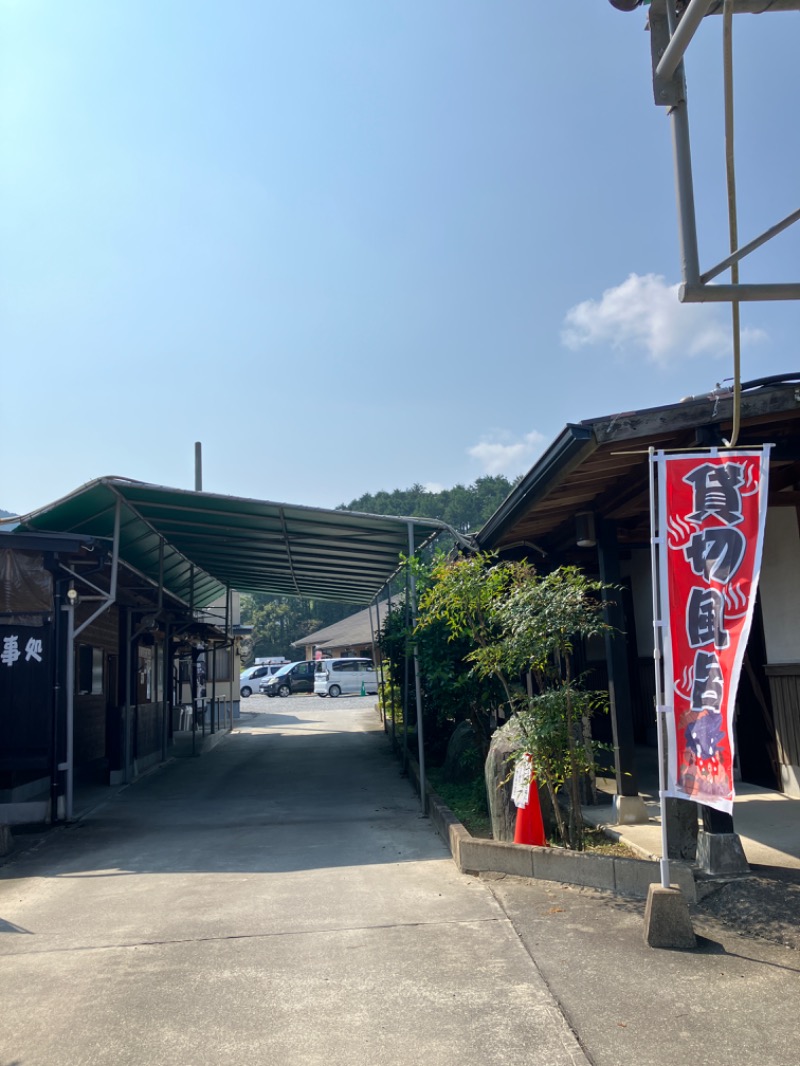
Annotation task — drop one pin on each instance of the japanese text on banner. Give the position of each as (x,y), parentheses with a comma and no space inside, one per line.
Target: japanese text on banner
(712,510)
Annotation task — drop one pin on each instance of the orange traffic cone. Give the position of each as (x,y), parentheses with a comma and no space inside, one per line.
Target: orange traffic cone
(529,827)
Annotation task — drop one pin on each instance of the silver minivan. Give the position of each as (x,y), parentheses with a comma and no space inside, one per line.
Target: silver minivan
(350,677)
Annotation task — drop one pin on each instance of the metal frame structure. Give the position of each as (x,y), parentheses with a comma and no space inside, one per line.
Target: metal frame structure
(196,546)
(670,36)
(73,632)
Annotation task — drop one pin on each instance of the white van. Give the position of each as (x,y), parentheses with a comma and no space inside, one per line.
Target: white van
(336,677)
(250,679)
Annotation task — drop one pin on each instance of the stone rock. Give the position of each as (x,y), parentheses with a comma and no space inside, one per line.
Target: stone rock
(498,767)
(502,812)
(463,754)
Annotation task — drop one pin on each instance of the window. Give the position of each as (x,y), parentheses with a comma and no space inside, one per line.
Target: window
(220,667)
(144,675)
(158,673)
(89,675)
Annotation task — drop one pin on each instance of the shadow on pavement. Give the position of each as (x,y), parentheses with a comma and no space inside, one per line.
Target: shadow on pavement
(299,796)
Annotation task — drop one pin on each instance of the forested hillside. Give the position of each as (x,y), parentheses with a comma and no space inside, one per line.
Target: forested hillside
(279,620)
(465,508)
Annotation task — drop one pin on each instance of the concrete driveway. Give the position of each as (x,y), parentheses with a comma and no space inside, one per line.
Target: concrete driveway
(278,901)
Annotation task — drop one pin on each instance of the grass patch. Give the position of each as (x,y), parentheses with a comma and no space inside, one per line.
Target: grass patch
(595,840)
(466,801)
(468,804)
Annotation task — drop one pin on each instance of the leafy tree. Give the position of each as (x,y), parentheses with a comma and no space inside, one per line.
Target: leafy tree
(541,620)
(451,691)
(520,624)
(279,620)
(456,614)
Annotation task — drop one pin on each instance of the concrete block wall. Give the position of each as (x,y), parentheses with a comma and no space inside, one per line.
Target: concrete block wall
(473,855)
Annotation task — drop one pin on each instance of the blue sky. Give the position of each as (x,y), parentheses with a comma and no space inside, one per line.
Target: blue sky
(360,244)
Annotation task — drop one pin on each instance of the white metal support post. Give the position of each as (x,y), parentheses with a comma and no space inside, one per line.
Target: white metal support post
(127,752)
(417,686)
(656,535)
(73,632)
(70,683)
(376,660)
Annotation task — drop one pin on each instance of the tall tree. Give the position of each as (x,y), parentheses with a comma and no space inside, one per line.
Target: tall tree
(279,620)
(464,507)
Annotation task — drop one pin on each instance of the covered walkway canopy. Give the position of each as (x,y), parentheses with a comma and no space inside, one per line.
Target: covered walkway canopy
(198,544)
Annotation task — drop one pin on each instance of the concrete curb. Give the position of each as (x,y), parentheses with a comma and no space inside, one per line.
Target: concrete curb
(472,855)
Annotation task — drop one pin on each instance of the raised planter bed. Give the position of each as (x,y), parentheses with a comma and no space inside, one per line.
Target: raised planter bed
(473,855)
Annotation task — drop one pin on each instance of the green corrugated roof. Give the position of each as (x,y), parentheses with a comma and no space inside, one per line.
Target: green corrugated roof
(211,542)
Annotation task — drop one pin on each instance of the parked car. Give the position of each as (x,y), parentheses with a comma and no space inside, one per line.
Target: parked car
(249,679)
(349,676)
(295,677)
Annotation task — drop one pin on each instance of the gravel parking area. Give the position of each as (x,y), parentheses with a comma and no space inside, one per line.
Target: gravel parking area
(303,702)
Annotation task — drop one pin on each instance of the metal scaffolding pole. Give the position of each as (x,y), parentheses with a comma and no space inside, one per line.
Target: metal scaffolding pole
(681,35)
(670,37)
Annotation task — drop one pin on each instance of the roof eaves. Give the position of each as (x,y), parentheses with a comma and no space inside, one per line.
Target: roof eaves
(54,542)
(572,445)
(694,411)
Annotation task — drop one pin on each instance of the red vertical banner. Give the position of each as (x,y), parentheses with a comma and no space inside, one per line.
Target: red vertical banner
(712,507)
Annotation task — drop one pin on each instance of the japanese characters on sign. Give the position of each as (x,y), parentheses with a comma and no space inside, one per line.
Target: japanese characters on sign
(26,691)
(711,516)
(11,652)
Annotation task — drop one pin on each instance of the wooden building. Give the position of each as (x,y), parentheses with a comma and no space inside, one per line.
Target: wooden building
(100,671)
(586,502)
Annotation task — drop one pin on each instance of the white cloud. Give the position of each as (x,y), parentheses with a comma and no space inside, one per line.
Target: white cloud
(499,453)
(643,313)
(433,486)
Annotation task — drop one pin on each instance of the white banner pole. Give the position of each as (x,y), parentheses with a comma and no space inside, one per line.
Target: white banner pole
(656,533)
